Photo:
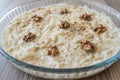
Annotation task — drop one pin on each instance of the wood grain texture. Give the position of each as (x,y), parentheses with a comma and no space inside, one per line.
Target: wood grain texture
(9,72)
(114,3)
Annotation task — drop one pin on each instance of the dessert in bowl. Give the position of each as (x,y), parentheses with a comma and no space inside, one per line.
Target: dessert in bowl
(62,37)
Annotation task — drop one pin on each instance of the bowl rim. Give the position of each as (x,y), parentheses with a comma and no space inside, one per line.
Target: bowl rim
(64,70)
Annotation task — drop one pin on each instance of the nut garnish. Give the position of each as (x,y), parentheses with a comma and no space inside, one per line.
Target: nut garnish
(29,37)
(64,11)
(52,50)
(36,18)
(87,45)
(64,25)
(100,29)
(86,17)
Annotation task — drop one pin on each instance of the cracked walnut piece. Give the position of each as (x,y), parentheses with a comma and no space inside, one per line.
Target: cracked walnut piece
(29,37)
(100,29)
(36,18)
(64,11)
(86,17)
(52,50)
(64,25)
(87,45)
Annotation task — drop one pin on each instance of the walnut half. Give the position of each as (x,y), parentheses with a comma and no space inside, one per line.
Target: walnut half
(52,50)
(87,45)
(86,17)
(64,11)
(36,18)
(100,29)
(64,25)
(29,37)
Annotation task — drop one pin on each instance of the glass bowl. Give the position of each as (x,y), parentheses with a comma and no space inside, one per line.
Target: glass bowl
(53,73)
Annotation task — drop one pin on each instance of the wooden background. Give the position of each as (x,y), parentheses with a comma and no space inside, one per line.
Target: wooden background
(9,72)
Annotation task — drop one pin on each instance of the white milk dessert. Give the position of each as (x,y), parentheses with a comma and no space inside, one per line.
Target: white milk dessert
(61,36)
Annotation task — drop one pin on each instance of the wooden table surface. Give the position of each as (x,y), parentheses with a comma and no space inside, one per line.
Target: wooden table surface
(9,72)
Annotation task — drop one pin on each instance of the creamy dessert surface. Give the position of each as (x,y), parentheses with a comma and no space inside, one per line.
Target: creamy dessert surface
(62,36)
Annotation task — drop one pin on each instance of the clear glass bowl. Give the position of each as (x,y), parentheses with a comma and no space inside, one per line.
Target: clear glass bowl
(51,73)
